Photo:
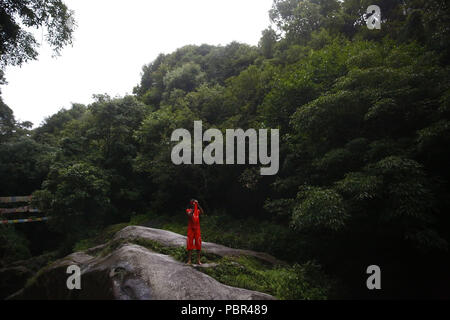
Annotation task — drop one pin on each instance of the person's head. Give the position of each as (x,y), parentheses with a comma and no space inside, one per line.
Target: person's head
(192,202)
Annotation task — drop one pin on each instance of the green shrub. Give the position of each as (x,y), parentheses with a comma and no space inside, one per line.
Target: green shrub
(295,283)
(13,245)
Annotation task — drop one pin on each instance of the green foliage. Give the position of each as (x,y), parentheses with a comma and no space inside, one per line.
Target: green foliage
(75,198)
(280,207)
(187,77)
(13,245)
(318,207)
(7,121)
(299,18)
(24,163)
(208,101)
(9,127)
(101,237)
(267,43)
(50,130)
(359,187)
(17,45)
(406,186)
(364,124)
(190,66)
(299,282)
(306,282)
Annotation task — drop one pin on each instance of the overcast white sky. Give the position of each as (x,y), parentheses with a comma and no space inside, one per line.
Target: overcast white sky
(114,39)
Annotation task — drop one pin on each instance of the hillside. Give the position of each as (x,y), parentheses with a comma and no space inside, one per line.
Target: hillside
(362,117)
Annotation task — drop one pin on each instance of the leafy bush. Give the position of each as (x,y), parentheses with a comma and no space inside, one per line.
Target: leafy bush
(299,282)
(13,245)
(75,198)
(319,208)
(305,282)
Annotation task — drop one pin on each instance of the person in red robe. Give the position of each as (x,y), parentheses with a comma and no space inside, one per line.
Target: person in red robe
(194,239)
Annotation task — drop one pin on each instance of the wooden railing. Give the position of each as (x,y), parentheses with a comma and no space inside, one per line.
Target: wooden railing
(24,209)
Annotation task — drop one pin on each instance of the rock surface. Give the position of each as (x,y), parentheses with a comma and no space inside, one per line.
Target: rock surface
(15,275)
(12,279)
(172,239)
(135,272)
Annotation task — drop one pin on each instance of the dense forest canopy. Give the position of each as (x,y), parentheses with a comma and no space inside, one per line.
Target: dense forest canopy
(364,120)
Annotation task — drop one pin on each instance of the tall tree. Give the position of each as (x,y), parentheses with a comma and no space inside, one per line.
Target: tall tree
(17,44)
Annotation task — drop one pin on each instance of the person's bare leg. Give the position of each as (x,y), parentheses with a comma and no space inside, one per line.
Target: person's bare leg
(189,256)
(198,257)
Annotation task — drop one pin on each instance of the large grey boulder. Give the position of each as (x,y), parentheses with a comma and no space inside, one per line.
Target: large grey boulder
(135,272)
(12,279)
(15,275)
(172,239)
